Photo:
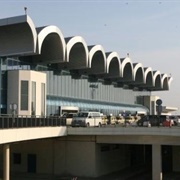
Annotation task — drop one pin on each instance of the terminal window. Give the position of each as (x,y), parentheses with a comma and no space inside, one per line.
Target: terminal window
(24,95)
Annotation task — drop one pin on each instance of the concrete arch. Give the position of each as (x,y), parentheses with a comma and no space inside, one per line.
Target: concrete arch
(139,73)
(51,43)
(148,75)
(33,30)
(97,59)
(157,80)
(51,46)
(17,36)
(170,79)
(76,53)
(113,68)
(113,65)
(127,69)
(164,80)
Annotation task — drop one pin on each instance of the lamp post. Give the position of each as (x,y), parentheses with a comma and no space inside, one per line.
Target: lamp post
(13,107)
(93,88)
(159,109)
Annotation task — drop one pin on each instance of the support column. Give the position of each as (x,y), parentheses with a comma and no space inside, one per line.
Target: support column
(6,162)
(156,162)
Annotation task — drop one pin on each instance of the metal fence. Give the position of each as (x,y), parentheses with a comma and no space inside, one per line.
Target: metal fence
(9,121)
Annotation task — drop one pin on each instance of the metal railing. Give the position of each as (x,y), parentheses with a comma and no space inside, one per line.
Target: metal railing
(10,121)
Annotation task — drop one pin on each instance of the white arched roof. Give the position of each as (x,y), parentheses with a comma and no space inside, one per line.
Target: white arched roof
(139,72)
(44,32)
(46,45)
(124,62)
(17,36)
(113,56)
(156,77)
(33,30)
(71,42)
(93,50)
(164,81)
(149,74)
(170,79)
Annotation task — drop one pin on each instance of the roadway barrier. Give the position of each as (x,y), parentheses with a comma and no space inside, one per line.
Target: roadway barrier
(10,121)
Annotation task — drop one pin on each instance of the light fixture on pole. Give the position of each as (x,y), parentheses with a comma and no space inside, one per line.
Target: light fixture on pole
(13,107)
(25,9)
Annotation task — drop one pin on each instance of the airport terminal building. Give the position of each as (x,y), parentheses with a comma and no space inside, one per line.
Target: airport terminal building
(42,72)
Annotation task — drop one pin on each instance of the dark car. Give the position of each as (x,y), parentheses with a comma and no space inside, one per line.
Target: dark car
(152,120)
(67,118)
(144,121)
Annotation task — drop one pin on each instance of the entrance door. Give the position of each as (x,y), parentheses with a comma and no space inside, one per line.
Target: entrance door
(31,163)
(166,158)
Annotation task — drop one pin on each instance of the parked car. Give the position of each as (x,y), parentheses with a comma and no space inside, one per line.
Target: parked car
(67,118)
(120,120)
(104,119)
(175,120)
(112,119)
(167,121)
(144,121)
(154,120)
(86,119)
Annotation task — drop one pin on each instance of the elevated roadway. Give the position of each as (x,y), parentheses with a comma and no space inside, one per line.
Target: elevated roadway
(155,136)
(25,134)
(131,135)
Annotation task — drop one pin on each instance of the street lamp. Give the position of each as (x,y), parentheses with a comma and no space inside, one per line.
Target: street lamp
(93,88)
(13,107)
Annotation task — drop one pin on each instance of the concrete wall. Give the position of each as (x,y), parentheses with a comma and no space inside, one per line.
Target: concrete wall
(70,156)
(14,90)
(84,157)
(78,156)
(114,158)
(42,149)
(150,102)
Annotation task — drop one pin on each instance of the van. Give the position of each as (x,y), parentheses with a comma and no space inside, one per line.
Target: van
(87,119)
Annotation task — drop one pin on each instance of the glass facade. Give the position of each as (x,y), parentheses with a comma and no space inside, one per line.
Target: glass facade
(63,90)
(33,100)
(42,99)
(24,95)
(53,103)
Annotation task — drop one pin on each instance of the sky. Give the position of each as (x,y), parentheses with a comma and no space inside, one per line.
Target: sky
(149,30)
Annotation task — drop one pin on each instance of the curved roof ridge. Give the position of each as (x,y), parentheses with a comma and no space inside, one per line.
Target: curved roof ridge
(93,51)
(110,56)
(44,32)
(22,32)
(137,67)
(70,44)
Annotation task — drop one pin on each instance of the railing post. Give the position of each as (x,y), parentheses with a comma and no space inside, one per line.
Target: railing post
(3,122)
(26,122)
(8,123)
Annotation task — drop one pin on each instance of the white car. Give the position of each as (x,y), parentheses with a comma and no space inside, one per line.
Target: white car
(86,119)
